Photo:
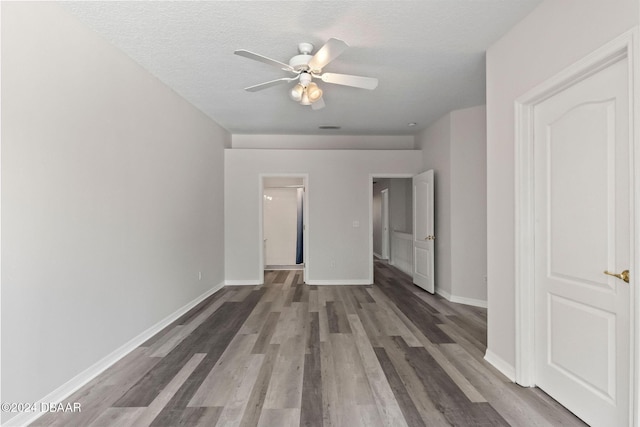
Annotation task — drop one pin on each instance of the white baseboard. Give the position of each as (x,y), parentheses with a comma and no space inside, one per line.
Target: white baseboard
(469,301)
(444,294)
(296,267)
(339,282)
(241,283)
(377,255)
(461,300)
(497,362)
(75,383)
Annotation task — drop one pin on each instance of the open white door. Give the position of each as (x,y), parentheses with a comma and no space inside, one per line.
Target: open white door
(423,232)
(583,218)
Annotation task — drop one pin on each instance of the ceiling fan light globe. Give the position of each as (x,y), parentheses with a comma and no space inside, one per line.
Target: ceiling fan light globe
(305,99)
(314,92)
(297,92)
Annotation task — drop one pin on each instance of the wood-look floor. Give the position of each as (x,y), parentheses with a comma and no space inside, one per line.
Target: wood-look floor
(288,354)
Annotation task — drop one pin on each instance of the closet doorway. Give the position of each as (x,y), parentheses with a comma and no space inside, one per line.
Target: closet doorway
(284,201)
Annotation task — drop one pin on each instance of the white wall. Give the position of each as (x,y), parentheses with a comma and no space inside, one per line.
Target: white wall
(553,36)
(455,148)
(324,142)
(282,181)
(469,204)
(112,200)
(435,142)
(338,194)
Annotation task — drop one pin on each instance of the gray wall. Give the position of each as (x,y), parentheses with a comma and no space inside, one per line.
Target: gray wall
(455,148)
(469,204)
(338,194)
(435,144)
(112,200)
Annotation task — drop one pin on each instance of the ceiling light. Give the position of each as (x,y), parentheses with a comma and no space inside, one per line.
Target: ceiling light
(412,124)
(305,99)
(314,92)
(296,92)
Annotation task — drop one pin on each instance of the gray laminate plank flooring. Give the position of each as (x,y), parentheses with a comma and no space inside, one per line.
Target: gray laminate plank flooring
(289,354)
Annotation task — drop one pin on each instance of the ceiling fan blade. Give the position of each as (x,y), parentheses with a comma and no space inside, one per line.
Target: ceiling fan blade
(319,104)
(347,80)
(268,84)
(327,53)
(264,59)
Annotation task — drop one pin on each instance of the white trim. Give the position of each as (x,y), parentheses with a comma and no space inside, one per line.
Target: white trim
(461,300)
(623,46)
(296,267)
(370,195)
(386,238)
(75,383)
(377,255)
(634,133)
(305,213)
(1,400)
(444,294)
(249,282)
(524,252)
(497,362)
(340,282)
(469,301)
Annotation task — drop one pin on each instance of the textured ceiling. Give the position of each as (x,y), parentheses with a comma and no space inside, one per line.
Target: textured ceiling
(428,56)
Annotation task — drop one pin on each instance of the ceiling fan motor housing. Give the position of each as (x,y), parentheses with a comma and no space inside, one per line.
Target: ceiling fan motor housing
(301,62)
(305,79)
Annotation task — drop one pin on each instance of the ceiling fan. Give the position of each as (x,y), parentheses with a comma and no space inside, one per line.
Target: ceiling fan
(306,67)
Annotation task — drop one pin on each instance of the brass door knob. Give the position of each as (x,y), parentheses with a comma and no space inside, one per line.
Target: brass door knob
(624,275)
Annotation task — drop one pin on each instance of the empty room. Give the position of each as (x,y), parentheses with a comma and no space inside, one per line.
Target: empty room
(320,213)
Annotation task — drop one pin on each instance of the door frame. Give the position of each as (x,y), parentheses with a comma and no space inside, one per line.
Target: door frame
(384,233)
(370,194)
(624,46)
(305,219)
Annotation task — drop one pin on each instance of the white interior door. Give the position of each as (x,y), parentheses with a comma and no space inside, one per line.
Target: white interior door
(385,223)
(423,231)
(583,217)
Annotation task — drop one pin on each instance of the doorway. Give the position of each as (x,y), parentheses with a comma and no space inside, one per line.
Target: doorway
(283,223)
(391,220)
